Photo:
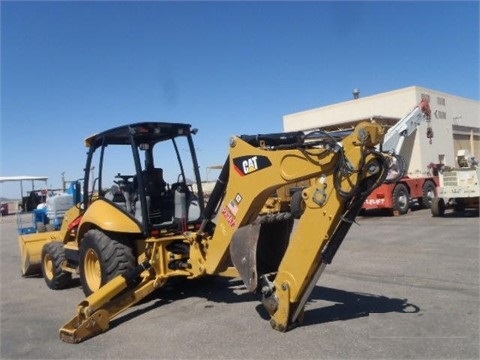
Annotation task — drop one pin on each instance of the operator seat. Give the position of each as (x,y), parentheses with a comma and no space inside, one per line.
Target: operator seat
(154,183)
(155,189)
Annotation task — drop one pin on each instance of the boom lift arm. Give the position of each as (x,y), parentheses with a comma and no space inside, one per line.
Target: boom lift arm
(283,269)
(397,134)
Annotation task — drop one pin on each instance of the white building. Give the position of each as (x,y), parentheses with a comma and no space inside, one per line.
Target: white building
(454,122)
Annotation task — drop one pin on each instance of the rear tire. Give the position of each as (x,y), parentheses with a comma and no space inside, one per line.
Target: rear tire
(53,255)
(401,199)
(102,259)
(429,192)
(438,207)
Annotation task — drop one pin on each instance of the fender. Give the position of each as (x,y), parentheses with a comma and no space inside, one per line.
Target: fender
(107,217)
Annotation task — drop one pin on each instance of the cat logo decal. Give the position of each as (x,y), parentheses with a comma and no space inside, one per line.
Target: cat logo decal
(245,165)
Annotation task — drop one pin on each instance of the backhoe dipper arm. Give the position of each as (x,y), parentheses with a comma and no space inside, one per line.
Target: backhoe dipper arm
(345,174)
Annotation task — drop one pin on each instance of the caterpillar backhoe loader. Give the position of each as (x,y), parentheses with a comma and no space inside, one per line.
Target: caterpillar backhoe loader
(150,241)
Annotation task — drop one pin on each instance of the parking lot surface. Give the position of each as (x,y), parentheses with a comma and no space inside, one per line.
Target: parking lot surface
(399,287)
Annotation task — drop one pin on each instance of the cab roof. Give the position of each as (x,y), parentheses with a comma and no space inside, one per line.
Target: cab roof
(144,132)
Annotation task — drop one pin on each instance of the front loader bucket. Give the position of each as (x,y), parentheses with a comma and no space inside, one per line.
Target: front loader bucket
(31,250)
(258,249)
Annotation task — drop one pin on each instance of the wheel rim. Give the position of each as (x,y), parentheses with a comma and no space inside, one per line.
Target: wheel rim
(93,271)
(48,267)
(402,201)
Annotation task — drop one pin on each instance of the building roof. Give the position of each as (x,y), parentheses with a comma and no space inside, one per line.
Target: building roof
(22,178)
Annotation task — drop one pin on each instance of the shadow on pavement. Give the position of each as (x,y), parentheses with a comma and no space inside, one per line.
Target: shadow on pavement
(348,305)
(214,289)
(461,214)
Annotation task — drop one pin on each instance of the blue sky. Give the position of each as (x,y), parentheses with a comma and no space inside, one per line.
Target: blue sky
(71,69)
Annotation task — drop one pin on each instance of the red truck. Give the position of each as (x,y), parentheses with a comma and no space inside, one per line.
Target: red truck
(400,191)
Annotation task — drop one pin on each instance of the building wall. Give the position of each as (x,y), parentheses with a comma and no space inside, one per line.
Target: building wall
(454,121)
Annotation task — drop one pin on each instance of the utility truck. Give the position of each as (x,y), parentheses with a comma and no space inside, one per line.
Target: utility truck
(459,188)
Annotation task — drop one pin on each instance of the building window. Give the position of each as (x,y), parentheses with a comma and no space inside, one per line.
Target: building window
(441,101)
(440,114)
(425,97)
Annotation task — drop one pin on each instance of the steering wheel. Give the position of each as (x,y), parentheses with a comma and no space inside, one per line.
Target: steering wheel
(124,179)
(124,183)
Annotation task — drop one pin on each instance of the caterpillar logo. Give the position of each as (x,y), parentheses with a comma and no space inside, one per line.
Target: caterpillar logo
(245,165)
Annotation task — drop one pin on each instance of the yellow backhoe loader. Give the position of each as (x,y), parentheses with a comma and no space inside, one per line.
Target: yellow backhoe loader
(130,239)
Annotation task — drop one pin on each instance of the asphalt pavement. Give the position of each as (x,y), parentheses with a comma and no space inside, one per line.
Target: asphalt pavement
(399,287)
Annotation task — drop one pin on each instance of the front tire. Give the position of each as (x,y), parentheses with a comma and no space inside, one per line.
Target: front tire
(438,207)
(401,199)
(102,259)
(53,255)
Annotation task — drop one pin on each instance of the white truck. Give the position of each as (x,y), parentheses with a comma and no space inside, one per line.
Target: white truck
(459,188)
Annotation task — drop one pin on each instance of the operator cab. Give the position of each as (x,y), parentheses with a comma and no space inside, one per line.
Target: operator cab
(149,172)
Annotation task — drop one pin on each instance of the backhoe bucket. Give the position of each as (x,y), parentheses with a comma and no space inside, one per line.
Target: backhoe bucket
(243,252)
(258,249)
(31,250)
